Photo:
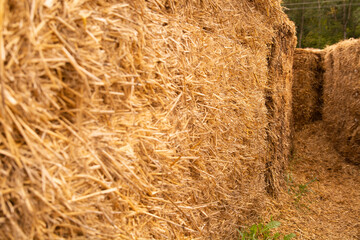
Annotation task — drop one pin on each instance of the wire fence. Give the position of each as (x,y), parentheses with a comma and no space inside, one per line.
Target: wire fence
(319,7)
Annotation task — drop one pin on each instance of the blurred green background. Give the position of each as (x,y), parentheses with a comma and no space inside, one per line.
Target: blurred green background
(324,22)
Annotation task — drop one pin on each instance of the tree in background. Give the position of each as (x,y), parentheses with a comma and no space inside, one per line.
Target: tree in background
(324,22)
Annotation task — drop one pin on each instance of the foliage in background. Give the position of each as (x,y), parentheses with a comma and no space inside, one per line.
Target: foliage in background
(261,231)
(324,22)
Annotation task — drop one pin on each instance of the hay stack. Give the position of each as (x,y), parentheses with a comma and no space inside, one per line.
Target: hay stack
(278,103)
(342,97)
(134,119)
(307,87)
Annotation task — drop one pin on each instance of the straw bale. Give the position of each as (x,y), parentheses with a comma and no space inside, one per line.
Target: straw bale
(278,103)
(307,87)
(341,97)
(134,119)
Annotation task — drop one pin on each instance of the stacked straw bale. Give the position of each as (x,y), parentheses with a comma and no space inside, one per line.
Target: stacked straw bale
(278,98)
(134,119)
(342,97)
(307,87)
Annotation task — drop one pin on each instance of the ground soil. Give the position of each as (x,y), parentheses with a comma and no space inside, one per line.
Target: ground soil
(323,190)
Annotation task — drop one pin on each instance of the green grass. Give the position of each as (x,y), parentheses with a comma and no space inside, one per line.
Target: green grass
(299,190)
(262,232)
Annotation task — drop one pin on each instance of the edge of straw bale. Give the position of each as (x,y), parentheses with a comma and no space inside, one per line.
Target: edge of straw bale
(278,103)
(342,97)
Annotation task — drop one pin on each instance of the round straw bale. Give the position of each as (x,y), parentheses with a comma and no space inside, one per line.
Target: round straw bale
(342,97)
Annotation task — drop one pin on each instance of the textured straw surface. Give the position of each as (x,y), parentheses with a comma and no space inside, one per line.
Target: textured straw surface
(134,119)
(307,87)
(278,103)
(342,97)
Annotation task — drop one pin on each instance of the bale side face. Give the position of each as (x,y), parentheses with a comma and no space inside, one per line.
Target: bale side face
(278,103)
(141,119)
(342,97)
(307,87)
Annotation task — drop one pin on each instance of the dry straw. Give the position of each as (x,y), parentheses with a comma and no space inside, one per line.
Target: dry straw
(307,87)
(141,119)
(324,201)
(278,103)
(342,97)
